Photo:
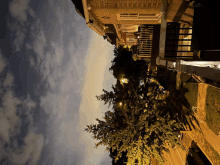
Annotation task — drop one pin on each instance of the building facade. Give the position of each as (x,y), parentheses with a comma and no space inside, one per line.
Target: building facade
(118,20)
(133,22)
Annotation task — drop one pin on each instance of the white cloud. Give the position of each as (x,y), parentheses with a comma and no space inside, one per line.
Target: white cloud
(9,80)
(28,46)
(19,39)
(59,102)
(20,30)
(47,61)
(64,82)
(18,9)
(31,12)
(90,109)
(59,53)
(31,151)
(3,62)
(39,43)
(32,61)
(4,127)
(60,131)
(10,125)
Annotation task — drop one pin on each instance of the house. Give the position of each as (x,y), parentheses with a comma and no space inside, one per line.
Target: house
(118,20)
(130,22)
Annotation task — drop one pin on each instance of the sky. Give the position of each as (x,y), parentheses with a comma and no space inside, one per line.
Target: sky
(52,67)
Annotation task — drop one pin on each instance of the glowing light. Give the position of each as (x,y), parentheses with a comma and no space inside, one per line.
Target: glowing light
(124,80)
(120,103)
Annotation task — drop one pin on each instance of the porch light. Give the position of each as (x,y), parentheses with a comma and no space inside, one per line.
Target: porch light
(124,80)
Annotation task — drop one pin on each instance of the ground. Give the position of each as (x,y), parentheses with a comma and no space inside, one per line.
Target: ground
(205,135)
(206,98)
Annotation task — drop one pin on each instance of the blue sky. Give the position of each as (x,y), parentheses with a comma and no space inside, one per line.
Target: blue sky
(54,69)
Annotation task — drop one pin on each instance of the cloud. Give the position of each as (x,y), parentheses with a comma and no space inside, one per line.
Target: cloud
(93,83)
(47,62)
(19,38)
(3,62)
(106,159)
(32,61)
(9,80)
(68,85)
(18,9)
(11,111)
(60,101)
(39,39)
(28,46)
(31,151)
(31,12)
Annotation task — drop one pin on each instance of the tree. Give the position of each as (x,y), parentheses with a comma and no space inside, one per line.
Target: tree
(121,161)
(141,127)
(141,124)
(124,66)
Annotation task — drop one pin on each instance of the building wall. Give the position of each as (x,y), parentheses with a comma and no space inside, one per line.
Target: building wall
(106,10)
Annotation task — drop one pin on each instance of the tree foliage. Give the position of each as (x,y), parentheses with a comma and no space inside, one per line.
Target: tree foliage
(123,64)
(140,125)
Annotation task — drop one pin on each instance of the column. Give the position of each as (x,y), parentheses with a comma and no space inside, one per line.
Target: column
(163,30)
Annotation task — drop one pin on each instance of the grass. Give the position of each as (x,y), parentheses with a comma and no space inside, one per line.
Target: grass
(213,109)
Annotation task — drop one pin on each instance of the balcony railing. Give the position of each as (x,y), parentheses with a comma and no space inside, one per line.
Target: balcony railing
(145,39)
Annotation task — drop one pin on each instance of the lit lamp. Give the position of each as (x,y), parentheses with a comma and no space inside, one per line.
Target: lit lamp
(137,35)
(120,103)
(124,80)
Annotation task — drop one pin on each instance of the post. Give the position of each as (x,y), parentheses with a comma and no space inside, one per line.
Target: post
(163,30)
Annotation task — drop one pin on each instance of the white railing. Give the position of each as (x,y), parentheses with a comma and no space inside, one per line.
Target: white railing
(145,41)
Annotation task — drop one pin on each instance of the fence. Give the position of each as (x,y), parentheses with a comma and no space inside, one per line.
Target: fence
(145,41)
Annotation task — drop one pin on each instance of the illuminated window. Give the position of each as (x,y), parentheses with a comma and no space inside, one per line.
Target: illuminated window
(138,16)
(130,39)
(111,1)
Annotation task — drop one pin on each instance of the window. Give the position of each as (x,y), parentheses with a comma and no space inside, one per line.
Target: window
(111,1)
(138,16)
(130,39)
